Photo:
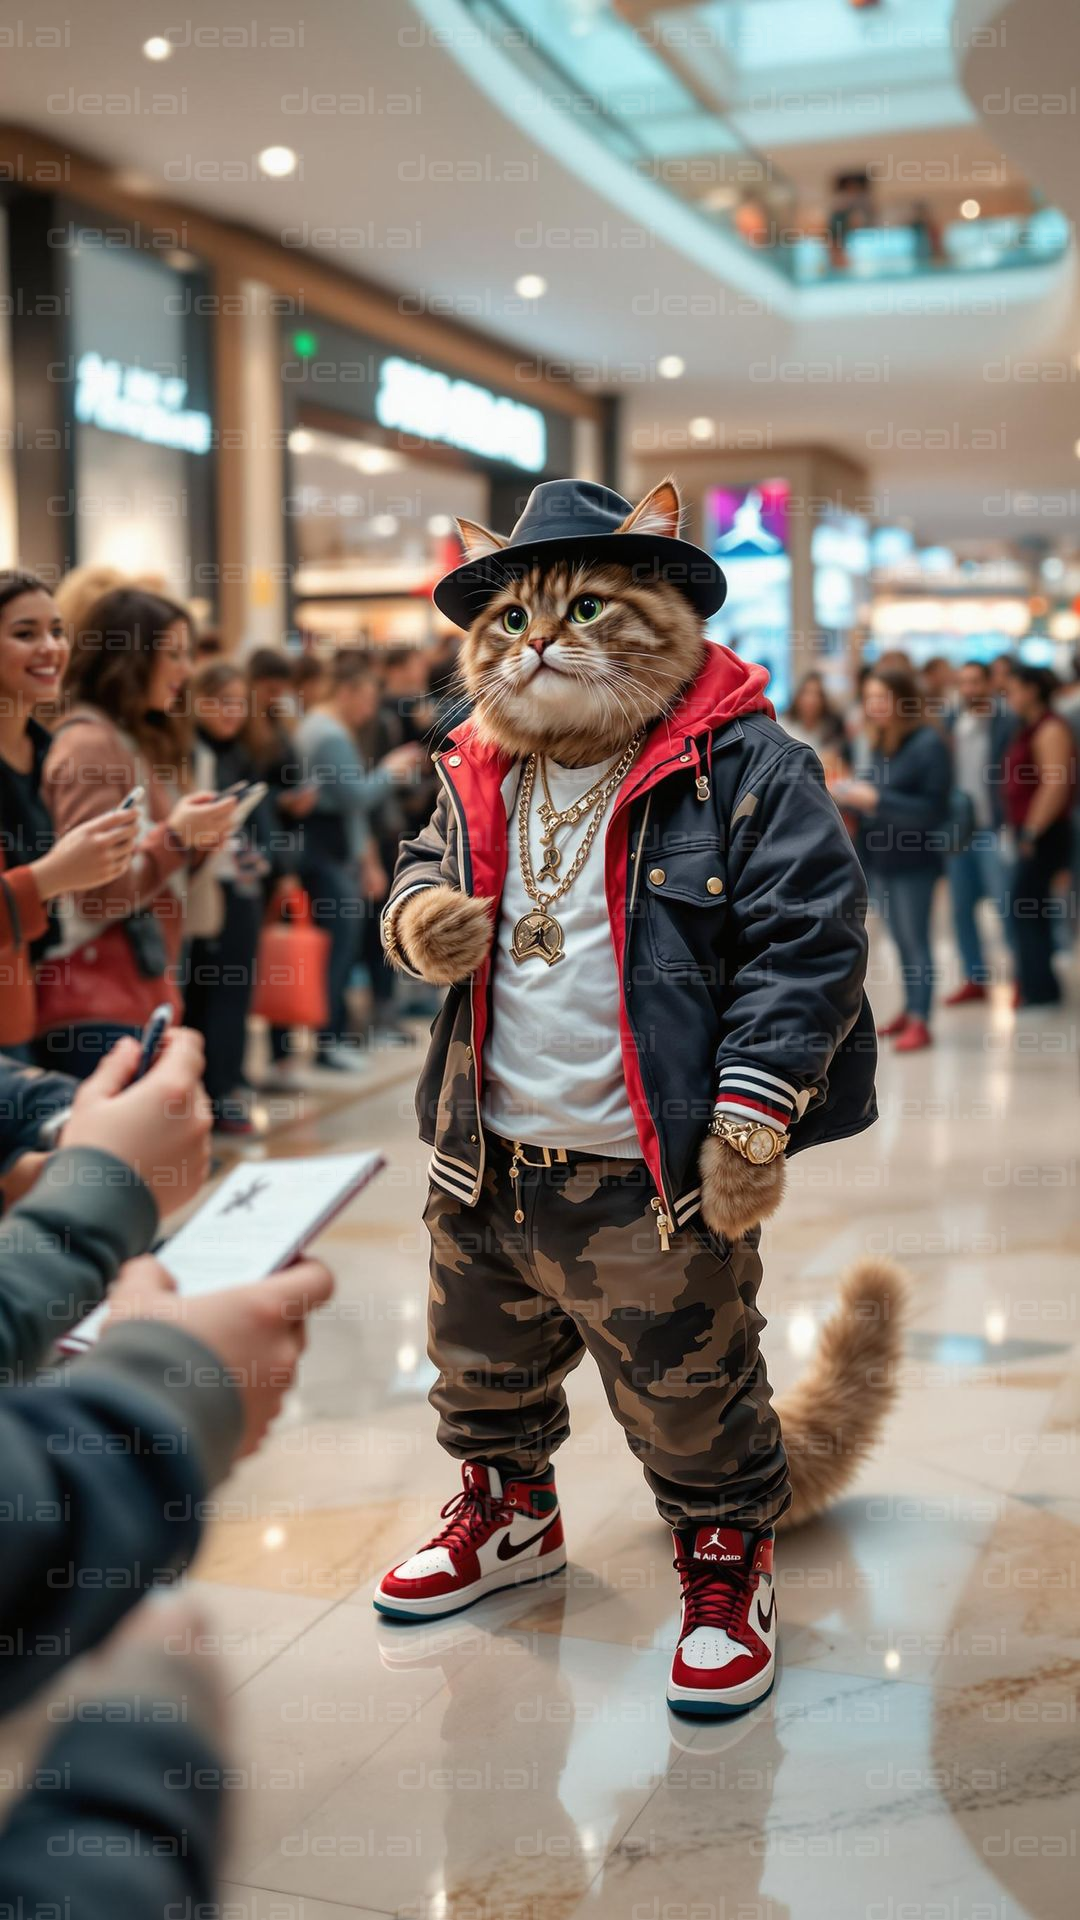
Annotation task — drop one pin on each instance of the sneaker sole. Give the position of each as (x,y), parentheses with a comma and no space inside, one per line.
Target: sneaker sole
(703,1703)
(434,1606)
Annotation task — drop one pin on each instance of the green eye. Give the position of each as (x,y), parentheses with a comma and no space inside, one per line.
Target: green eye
(586,608)
(515,620)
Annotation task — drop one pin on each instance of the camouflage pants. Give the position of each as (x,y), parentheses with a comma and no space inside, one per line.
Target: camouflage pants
(514,1307)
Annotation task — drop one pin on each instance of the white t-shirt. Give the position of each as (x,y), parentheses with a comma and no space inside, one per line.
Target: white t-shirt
(553,1071)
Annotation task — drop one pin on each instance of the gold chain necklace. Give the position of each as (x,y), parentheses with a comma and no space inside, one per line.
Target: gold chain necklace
(538,932)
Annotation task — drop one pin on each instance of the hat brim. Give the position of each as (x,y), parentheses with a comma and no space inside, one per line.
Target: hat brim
(463,594)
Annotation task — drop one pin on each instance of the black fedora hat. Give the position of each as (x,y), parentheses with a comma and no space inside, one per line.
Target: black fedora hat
(571,519)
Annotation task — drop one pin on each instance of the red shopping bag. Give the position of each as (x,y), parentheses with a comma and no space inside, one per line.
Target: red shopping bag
(291,964)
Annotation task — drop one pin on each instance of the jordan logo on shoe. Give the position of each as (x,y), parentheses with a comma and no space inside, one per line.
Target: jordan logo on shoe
(765,1620)
(726,1551)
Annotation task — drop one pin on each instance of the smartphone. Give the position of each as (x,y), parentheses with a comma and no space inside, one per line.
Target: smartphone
(132,799)
(248,801)
(152,1036)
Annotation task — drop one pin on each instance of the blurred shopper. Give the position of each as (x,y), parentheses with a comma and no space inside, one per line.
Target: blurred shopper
(853,208)
(812,719)
(311,682)
(938,682)
(406,716)
(117,957)
(221,962)
(1068,705)
(981,732)
(902,806)
(1040,786)
(35,868)
(999,670)
(340,865)
(81,589)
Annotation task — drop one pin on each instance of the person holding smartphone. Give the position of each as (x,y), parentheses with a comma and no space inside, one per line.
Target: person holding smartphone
(36,869)
(123,727)
(221,963)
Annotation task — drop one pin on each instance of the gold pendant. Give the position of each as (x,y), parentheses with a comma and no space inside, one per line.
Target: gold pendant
(537,933)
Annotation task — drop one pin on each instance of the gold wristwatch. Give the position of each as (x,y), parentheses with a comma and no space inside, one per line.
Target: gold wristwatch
(756,1142)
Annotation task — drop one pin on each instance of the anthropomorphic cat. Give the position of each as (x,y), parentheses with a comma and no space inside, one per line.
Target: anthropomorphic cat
(650,918)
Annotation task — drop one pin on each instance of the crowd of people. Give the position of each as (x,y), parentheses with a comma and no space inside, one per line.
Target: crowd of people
(132,877)
(129,875)
(969,773)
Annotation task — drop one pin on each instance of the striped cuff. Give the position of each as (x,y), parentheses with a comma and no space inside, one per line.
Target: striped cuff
(749,1093)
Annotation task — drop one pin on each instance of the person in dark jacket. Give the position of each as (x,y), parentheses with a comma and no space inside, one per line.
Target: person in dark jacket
(108,1465)
(221,964)
(1040,788)
(901,801)
(980,732)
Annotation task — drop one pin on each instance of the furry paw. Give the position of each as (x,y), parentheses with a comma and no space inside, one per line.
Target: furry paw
(734,1194)
(444,934)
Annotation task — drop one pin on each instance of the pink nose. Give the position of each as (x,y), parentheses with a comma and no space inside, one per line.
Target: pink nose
(540,640)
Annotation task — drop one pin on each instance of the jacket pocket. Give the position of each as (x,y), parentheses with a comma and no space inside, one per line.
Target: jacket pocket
(685,890)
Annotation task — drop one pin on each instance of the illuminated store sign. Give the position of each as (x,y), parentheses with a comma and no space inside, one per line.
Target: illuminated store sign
(139,403)
(432,406)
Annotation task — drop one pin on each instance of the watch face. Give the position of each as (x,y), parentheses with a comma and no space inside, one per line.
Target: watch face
(761,1145)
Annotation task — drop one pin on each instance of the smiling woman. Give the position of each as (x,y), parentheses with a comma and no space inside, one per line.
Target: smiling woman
(124,728)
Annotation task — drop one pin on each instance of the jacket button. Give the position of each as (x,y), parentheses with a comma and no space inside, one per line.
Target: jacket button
(454,760)
(468,1053)
(657,876)
(472,1140)
(714,885)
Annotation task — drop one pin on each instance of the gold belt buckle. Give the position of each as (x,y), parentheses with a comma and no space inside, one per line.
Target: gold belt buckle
(553,1156)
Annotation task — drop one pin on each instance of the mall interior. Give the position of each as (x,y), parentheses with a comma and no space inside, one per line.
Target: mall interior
(285,295)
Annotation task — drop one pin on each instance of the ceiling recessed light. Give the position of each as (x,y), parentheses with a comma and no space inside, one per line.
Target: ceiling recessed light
(277,162)
(970,209)
(720,199)
(701,428)
(531,286)
(300,440)
(157,47)
(385,525)
(439,524)
(671,367)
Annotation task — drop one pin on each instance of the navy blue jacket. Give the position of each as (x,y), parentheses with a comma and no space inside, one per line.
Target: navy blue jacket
(911,828)
(737,910)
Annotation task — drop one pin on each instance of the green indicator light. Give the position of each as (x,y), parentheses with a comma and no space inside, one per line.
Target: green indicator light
(305,345)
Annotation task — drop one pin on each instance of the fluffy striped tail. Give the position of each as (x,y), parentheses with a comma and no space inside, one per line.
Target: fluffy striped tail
(834,1414)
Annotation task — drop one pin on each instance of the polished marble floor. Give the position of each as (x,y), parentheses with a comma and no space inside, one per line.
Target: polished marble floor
(919,1758)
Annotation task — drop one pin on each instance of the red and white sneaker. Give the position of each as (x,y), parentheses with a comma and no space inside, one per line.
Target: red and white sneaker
(726,1657)
(496,1535)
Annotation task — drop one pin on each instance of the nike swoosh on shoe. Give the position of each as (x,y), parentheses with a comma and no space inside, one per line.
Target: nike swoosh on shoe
(506,1550)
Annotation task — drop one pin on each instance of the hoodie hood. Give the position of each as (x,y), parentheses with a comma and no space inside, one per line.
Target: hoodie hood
(723,688)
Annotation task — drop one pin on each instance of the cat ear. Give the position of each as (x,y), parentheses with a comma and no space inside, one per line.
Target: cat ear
(477,541)
(659,512)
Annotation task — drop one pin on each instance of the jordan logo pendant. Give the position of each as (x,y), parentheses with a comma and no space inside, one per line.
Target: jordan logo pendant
(537,933)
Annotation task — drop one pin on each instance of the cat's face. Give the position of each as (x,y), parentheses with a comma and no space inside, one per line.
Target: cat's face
(573,659)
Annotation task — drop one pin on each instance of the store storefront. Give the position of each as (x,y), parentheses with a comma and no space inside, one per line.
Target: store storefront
(285,445)
(111,439)
(383,452)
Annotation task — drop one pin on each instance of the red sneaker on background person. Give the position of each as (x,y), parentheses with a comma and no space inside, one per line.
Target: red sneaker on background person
(965,996)
(915,1036)
(890,1028)
(498,1533)
(726,1657)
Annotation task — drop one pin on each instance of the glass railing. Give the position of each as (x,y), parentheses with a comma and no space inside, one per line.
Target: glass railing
(650,109)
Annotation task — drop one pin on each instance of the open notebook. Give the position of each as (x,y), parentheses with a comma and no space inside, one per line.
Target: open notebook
(261,1216)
